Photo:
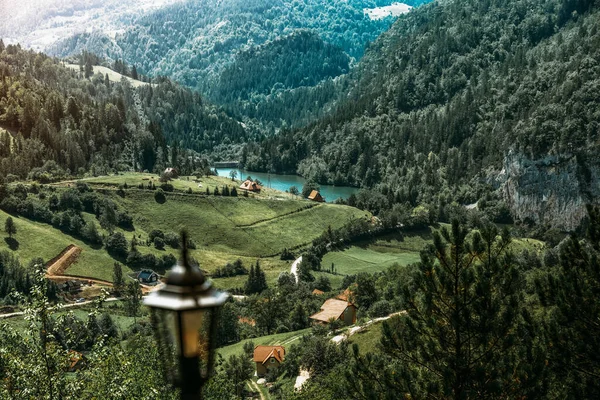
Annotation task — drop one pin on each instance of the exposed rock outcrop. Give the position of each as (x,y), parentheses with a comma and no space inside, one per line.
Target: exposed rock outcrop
(549,191)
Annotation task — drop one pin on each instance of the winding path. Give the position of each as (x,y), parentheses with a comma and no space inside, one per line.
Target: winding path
(305,375)
(294,269)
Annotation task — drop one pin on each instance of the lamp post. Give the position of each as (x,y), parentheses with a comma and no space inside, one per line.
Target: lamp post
(184,316)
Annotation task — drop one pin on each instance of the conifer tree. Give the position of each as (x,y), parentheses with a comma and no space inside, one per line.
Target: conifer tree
(261,279)
(250,286)
(118,281)
(573,295)
(465,334)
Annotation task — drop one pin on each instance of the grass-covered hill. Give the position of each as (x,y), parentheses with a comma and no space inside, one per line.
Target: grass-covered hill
(447,92)
(223,229)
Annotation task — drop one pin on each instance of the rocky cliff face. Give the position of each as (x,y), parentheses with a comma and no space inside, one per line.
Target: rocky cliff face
(550,191)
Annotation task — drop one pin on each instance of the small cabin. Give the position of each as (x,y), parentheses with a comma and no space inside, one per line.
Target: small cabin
(148,277)
(316,196)
(250,186)
(171,173)
(336,309)
(268,357)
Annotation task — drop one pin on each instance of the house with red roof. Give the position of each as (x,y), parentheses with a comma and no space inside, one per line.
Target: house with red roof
(268,357)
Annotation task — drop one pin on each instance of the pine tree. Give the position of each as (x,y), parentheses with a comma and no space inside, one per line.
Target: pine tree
(261,279)
(133,300)
(250,287)
(118,281)
(466,333)
(573,326)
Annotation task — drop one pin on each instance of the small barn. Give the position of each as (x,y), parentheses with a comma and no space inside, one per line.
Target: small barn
(268,357)
(250,186)
(171,173)
(148,277)
(316,196)
(336,309)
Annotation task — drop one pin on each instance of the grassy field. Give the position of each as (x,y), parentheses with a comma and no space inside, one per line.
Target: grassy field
(115,309)
(224,229)
(284,339)
(368,339)
(41,240)
(112,75)
(378,255)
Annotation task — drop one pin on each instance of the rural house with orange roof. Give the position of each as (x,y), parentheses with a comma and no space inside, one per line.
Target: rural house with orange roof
(316,196)
(334,309)
(250,186)
(268,357)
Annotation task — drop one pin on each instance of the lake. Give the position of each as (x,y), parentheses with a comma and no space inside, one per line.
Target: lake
(284,182)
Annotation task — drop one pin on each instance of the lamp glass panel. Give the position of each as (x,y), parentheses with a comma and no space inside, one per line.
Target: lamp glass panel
(191,323)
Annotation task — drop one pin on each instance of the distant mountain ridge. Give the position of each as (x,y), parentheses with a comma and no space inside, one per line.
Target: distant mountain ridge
(197,43)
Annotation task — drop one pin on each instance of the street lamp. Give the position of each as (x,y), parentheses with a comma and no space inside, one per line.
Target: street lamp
(184,316)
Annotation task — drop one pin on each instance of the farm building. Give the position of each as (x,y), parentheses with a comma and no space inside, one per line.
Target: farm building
(71,286)
(250,186)
(336,309)
(316,196)
(148,276)
(268,357)
(171,173)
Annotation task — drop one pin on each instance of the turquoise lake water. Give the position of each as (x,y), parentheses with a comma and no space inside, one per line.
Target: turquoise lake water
(284,182)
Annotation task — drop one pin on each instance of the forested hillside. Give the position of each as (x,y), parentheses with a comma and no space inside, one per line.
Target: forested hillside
(216,47)
(57,123)
(439,100)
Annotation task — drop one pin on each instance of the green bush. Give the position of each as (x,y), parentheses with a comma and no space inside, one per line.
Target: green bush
(159,196)
(159,243)
(116,244)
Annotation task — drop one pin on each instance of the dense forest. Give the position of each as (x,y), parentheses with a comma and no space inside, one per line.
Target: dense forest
(438,101)
(58,124)
(203,44)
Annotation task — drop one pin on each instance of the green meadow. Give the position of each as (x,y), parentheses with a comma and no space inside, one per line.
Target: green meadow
(257,227)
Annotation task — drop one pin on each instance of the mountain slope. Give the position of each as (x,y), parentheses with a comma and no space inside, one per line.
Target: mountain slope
(63,124)
(440,99)
(210,45)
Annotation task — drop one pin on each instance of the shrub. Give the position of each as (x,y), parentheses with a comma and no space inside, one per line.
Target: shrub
(159,196)
(172,239)
(125,220)
(159,243)
(287,255)
(380,308)
(156,233)
(116,244)
(167,187)
(189,191)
